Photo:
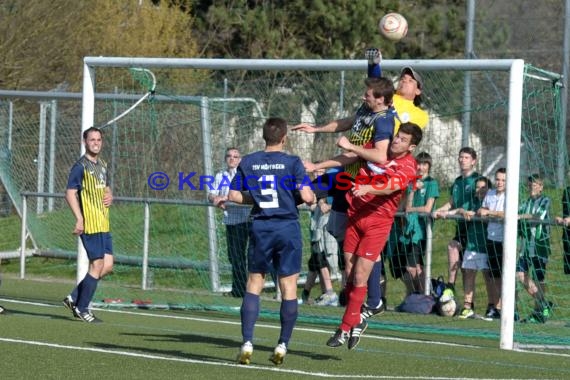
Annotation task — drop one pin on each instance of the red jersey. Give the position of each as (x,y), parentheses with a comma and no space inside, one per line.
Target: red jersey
(402,171)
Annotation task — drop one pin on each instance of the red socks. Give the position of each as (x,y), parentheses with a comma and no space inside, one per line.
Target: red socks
(351,315)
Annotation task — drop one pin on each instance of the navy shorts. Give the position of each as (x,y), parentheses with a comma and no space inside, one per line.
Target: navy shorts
(97,245)
(275,245)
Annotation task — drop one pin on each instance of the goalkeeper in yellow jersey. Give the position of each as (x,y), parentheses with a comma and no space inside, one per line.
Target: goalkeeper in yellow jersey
(407,99)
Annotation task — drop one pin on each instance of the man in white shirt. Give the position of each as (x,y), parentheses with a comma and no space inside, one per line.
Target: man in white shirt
(236,219)
(494,207)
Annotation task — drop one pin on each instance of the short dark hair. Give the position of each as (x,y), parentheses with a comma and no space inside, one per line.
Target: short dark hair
(424,157)
(412,129)
(501,170)
(486,180)
(470,151)
(536,178)
(381,87)
(274,129)
(89,130)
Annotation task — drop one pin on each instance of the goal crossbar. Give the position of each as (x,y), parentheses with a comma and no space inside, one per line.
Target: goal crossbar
(300,64)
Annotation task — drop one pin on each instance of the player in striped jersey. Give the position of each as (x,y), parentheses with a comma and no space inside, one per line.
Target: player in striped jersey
(371,130)
(89,197)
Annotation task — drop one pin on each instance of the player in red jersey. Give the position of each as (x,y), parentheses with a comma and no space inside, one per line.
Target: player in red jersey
(373,202)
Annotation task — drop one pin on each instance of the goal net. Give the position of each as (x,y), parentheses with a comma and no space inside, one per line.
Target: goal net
(170,243)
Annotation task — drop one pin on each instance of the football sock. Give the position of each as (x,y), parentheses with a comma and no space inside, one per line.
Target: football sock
(288,315)
(86,290)
(75,292)
(249,312)
(374,299)
(351,315)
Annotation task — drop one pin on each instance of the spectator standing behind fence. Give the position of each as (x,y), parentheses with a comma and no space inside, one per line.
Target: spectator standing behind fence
(462,197)
(535,248)
(494,207)
(565,221)
(475,257)
(323,247)
(89,196)
(269,180)
(420,199)
(236,219)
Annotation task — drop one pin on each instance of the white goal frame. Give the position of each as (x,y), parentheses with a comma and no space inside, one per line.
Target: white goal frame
(515,68)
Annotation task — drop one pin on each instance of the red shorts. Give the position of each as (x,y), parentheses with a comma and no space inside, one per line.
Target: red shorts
(366,236)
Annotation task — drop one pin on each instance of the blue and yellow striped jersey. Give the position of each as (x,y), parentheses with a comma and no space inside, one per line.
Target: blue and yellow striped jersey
(368,128)
(90,180)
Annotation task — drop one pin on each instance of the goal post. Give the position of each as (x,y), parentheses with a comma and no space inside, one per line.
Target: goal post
(511,115)
(511,205)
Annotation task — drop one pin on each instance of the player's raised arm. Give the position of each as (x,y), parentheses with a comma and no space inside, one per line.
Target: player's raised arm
(340,160)
(334,126)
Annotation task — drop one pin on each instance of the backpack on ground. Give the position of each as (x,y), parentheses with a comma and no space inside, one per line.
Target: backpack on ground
(417,303)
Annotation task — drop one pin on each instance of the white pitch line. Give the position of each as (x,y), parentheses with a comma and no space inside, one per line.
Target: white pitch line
(206,320)
(216,363)
(27,302)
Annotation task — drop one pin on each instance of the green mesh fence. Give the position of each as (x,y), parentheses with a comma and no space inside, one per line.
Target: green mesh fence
(195,112)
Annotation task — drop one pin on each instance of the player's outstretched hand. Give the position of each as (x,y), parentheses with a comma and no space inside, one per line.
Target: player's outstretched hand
(304,127)
(373,55)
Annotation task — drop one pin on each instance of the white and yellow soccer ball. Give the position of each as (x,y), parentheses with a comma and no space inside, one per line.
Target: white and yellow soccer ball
(393,26)
(448,308)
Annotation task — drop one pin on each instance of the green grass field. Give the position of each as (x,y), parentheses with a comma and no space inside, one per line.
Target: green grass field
(203,340)
(39,338)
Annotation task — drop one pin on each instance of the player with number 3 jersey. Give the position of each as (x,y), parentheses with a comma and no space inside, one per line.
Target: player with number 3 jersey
(269,179)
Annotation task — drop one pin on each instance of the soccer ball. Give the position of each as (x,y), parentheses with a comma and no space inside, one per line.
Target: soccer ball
(393,26)
(447,309)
